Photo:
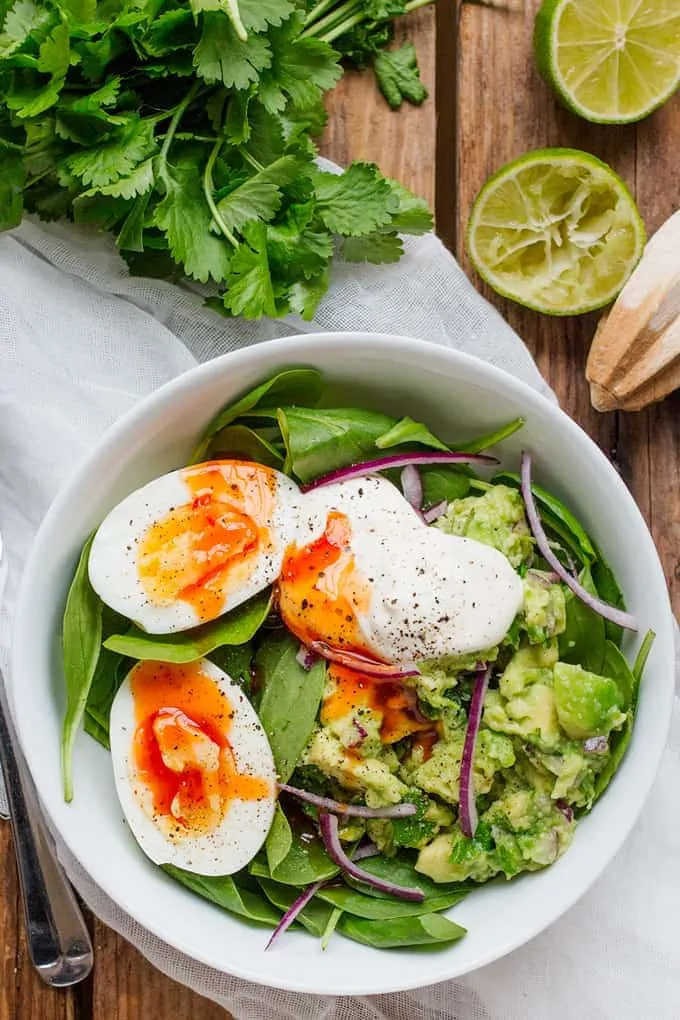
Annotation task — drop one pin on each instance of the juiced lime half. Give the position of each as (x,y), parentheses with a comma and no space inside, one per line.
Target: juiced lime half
(557,231)
(611,61)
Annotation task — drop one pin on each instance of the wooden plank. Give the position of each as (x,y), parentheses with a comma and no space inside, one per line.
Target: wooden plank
(22,993)
(361,126)
(504,110)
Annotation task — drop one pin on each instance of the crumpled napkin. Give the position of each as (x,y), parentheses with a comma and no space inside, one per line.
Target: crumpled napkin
(80,342)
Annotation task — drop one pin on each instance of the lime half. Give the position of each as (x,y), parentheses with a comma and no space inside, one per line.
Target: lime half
(611,61)
(557,231)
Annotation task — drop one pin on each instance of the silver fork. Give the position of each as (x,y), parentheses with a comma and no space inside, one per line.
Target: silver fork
(58,940)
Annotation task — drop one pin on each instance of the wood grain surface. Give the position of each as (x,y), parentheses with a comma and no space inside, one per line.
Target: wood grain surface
(490,107)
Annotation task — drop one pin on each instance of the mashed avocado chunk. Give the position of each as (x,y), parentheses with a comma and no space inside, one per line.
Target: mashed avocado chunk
(495,518)
(544,611)
(587,705)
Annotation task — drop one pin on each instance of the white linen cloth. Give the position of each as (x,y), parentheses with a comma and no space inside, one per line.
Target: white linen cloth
(80,342)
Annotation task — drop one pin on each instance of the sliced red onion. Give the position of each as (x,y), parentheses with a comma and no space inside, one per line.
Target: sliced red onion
(306,657)
(367,850)
(329,833)
(351,810)
(370,667)
(596,745)
(412,488)
(611,613)
(293,910)
(467,806)
(396,460)
(435,512)
(566,809)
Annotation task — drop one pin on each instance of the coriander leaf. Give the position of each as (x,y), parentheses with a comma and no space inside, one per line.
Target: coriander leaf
(413,215)
(79,11)
(376,248)
(115,158)
(23,19)
(301,69)
(222,57)
(398,76)
(81,641)
(137,183)
(12,178)
(249,285)
(184,217)
(266,142)
(305,295)
(55,56)
(30,97)
(355,202)
(257,15)
(102,211)
(259,197)
(172,30)
(294,249)
(236,127)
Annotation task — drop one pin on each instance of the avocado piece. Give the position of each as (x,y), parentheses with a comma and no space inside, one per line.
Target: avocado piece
(544,610)
(529,665)
(375,776)
(588,705)
(496,518)
(440,774)
(531,715)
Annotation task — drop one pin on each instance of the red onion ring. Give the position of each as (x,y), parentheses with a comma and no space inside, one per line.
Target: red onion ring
(306,657)
(412,488)
(435,512)
(293,911)
(611,613)
(369,667)
(397,460)
(467,807)
(350,810)
(329,834)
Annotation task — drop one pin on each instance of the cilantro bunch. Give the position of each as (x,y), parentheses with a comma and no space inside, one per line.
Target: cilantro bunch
(187,130)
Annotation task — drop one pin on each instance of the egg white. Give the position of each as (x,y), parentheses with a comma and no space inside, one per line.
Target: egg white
(245,825)
(432,594)
(113,558)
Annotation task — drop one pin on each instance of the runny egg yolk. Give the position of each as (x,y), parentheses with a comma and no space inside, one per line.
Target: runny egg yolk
(321,590)
(207,546)
(185,772)
(397,703)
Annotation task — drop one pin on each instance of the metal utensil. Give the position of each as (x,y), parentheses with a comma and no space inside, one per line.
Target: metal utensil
(58,940)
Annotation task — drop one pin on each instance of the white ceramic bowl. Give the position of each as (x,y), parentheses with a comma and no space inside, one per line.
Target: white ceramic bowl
(457,396)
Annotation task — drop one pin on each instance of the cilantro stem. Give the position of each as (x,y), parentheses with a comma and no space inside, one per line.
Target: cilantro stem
(256,165)
(318,11)
(172,128)
(209,187)
(337,16)
(343,27)
(415,5)
(234,15)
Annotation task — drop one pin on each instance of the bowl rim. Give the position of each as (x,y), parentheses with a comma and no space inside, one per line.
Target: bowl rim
(440,967)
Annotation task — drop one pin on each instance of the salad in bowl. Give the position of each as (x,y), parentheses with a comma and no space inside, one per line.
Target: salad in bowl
(348,670)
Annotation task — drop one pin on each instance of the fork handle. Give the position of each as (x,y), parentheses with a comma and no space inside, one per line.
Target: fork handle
(58,940)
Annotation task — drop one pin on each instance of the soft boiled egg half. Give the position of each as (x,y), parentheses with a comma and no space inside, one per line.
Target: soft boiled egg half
(193,767)
(193,544)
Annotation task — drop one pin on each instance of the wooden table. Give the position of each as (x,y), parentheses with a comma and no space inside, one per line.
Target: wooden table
(491,106)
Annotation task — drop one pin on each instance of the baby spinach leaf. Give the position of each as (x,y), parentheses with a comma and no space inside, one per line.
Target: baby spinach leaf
(618,743)
(108,676)
(491,438)
(314,917)
(443,483)
(409,431)
(400,871)
(289,700)
(81,641)
(351,901)
(223,890)
(94,729)
(557,518)
(616,667)
(608,590)
(279,839)
(235,661)
(641,658)
(305,862)
(400,932)
(583,640)
(236,628)
(332,924)
(240,441)
(292,386)
(321,440)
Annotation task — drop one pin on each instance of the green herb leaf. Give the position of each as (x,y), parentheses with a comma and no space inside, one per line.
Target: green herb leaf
(321,440)
(222,57)
(224,891)
(409,431)
(241,441)
(413,214)
(115,158)
(398,76)
(355,202)
(377,248)
(81,640)
(289,701)
(400,932)
(235,628)
(279,840)
(260,196)
(12,178)
(250,292)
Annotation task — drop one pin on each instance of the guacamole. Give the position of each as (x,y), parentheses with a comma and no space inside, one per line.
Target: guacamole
(546,732)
